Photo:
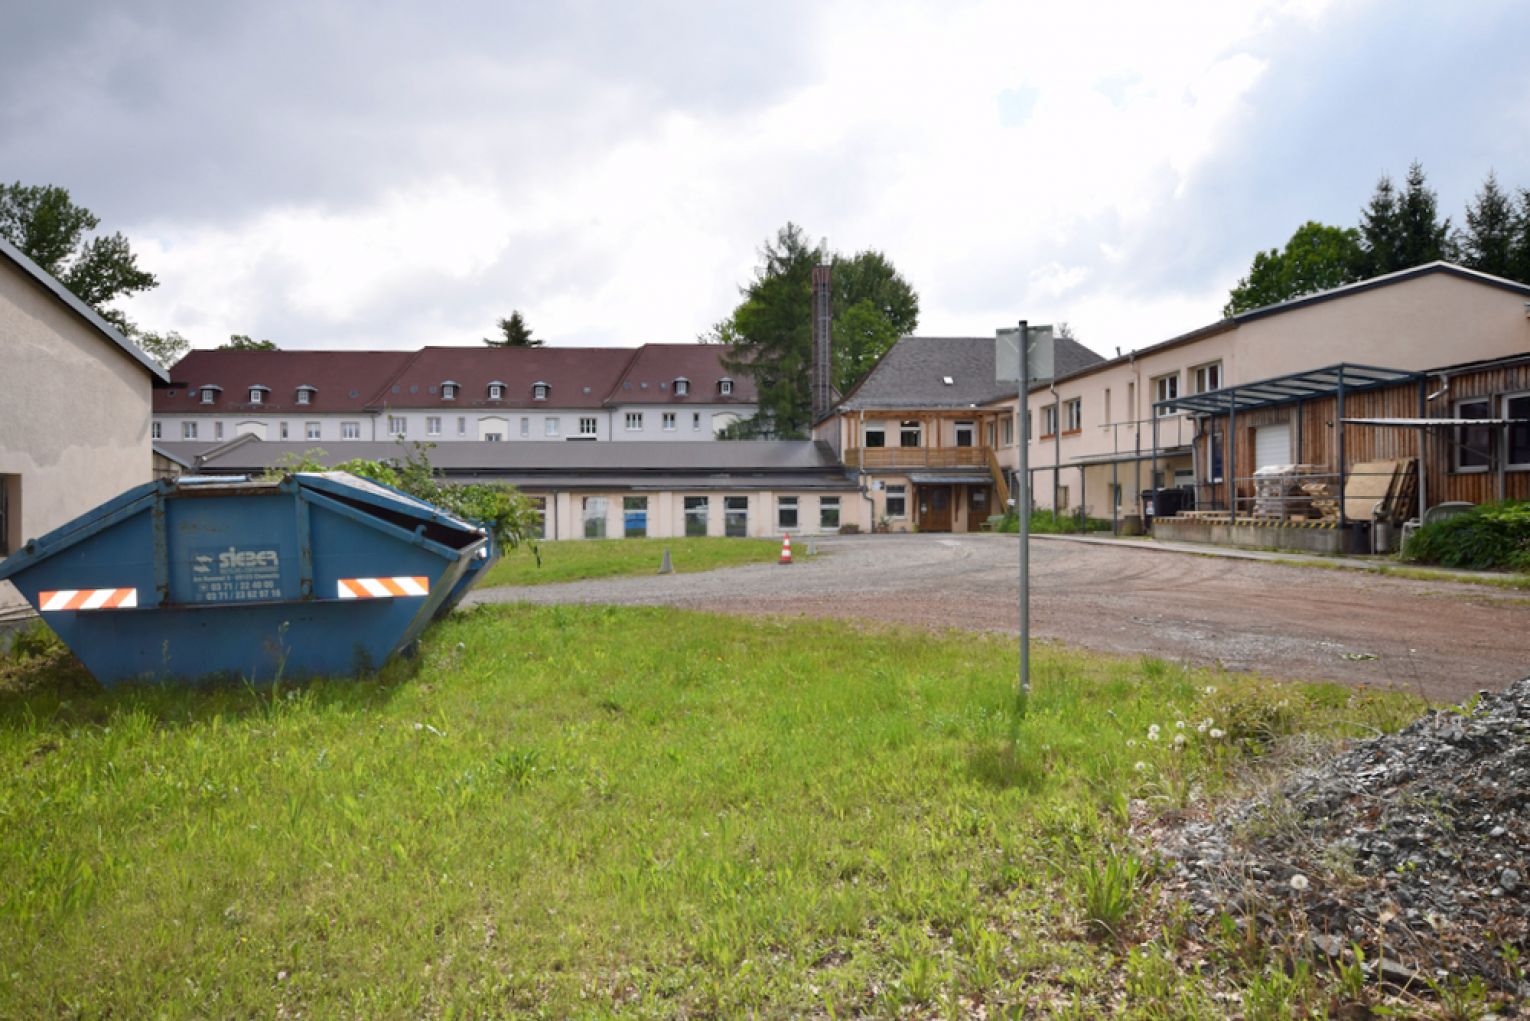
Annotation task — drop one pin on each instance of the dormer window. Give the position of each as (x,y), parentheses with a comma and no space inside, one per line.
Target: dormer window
(305,394)
(682,386)
(210,393)
(539,391)
(496,391)
(725,386)
(258,394)
(449,391)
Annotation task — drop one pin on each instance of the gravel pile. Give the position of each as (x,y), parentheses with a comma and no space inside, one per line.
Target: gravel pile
(1415,845)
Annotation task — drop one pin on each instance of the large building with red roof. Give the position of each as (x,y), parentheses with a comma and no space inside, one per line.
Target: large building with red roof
(657,392)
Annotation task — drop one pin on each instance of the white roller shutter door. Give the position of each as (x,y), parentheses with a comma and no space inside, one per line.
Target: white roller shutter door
(1272,445)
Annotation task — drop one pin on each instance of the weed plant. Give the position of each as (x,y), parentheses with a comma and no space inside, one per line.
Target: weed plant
(599,812)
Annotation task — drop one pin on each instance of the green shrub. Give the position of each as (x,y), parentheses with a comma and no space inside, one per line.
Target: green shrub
(1494,536)
(1047,522)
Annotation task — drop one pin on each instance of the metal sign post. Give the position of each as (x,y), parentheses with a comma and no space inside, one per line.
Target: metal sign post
(1024,355)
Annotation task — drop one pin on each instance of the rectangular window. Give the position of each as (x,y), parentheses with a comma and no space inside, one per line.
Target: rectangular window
(284,430)
(217,430)
(154,430)
(1073,415)
(966,433)
(587,427)
(432,425)
(1208,377)
(188,430)
(1165,388)
(635,516)
(461,425)
(897,501)
(311,430)
(398,425)
(634,421)
(1216,457)
(594,517)
(539,508)
(1474,443)
(1108,419)
(525,427)
(786,512)
(350,430)
(1518,454)
(1131,402)
(550,426)
(695,421)
(1007,430)
(302,396)
(1049,421)
(697,510)
(992,433)
(876,436)
(736,516)
(910,433)
(1062,497)
(828,512)
(493,437)
(668,421)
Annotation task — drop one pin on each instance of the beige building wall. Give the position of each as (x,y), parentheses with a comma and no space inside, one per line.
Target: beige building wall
(74,413)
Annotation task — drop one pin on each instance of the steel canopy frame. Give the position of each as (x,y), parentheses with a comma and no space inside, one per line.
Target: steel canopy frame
(1292,388)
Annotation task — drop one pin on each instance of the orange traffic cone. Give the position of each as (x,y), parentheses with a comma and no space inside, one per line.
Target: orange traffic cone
(786,550)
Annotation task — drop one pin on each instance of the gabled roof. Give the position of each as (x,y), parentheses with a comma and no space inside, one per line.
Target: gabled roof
(79,308)
(913,374)
(343,381)
(649,378)
(577,377)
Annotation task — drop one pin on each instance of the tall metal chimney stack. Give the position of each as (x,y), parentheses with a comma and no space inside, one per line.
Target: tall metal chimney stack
(821,383)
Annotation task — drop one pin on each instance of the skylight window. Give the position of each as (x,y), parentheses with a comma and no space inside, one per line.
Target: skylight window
(948,380)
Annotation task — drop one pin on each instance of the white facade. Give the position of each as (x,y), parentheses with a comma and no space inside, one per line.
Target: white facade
(680,512)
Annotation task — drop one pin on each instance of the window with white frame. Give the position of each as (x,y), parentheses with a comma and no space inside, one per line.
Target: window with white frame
(550,426)
(875,434)
(539,391)
(668,421)
(461,425)
(698,510)
(305,395)
(398,425)
(525,427)
(217,430)
(587,426)
(725,386)
(1165,388)
(154,430)
(1208,377)
(209,394)
(257,394)
(828,512)
(910,433)
(448,391)
(634,517)
(496,391)
(634,421)
(786,512)
(966,434)
(682,386)
(1517,454)
(1474,443)
(695,421)
(1007,430)
(284,430)
(1073,415)
(311,430)
(188,430)
(594,514)
(432,425)
(1049,421)
(897,501)
(350,430)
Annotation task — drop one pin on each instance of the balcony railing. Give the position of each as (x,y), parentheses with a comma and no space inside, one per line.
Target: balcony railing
(917,457)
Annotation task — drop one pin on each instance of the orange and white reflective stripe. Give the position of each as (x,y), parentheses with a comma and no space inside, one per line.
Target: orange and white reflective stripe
(88,599)
(383,588)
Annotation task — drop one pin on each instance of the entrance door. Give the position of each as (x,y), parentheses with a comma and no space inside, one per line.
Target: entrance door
(977,507)
(934,508)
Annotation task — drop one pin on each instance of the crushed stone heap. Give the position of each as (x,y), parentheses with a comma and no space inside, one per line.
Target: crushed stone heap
(1414,845)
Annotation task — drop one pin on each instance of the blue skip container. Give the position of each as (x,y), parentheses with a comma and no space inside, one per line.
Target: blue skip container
(310,574)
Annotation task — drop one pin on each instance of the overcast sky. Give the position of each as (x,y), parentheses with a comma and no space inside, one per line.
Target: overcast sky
(376,174)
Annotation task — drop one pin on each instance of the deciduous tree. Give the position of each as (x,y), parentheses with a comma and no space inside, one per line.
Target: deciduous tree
(243,342)
(1316,258)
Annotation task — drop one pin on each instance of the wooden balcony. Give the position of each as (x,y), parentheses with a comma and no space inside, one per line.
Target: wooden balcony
(917,457)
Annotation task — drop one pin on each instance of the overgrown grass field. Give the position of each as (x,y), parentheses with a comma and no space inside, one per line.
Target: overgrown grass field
(578,559)
(598,812)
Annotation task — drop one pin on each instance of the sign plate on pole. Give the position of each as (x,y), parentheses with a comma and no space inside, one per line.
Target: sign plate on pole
(1006,355)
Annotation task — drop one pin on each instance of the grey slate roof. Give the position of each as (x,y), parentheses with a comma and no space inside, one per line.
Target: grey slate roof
(912,374)
(81,309)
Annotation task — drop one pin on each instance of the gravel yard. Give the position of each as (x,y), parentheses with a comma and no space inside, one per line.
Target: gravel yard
(1443,640)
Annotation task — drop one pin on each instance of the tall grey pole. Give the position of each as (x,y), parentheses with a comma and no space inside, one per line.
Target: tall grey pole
(1023,511)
